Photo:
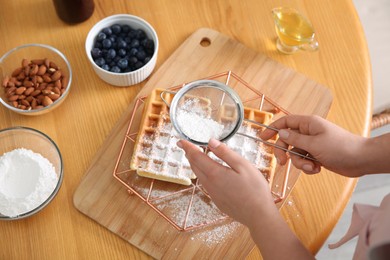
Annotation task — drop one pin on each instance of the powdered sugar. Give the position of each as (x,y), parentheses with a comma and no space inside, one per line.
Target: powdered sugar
(202,210)
(248,148)
(195,122)
(26,180)
(218,234)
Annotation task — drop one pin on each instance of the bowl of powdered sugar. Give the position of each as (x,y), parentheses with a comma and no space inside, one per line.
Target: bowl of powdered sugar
(31,172)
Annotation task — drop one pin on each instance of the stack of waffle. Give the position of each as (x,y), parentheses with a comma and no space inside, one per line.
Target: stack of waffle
(157,156)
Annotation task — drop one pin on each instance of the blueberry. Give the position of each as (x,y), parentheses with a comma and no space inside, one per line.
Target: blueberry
(121,44)
(126,28)
(100,62)
(122,35)
(96,53)
(149,45)
(141,55)
(106,67)
(112,38)
(107,43)
(138,65)
(101,36)
(133,51)
(116,28)
(122,63)
(140,34)
(107,31)
(132,34)
(134,43)
(128,40)
(111,53)
(115,69)
(122,52)
(132,60)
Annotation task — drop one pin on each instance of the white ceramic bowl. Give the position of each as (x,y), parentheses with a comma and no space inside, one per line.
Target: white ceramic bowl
(38,142)
(128,78)
(12,60)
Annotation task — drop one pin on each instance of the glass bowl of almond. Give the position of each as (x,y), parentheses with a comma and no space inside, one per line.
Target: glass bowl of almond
(35,79)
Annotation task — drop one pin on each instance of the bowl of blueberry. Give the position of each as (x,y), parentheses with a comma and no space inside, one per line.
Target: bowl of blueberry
(122,49)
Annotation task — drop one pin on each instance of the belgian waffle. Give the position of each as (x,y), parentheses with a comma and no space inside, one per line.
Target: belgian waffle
(156,154)
(261,155)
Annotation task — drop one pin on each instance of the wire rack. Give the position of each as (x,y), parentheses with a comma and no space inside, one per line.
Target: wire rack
(190,207)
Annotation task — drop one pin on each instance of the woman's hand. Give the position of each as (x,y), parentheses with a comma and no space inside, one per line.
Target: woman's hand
(243,193)
(335,148)
(238,191)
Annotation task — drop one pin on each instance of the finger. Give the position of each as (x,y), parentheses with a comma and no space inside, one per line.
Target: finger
(199,160)
(296,139)
(299,122)
(308,166)
(280,154)
(295,122)
(267,134)
(203,178)
(234,160)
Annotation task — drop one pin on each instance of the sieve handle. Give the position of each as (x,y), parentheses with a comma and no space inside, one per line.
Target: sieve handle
(163,99)
(263,125)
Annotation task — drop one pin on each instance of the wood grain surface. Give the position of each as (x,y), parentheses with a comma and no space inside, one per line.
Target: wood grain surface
(86,118)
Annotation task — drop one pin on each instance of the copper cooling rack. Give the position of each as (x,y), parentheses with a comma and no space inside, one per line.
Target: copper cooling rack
(190,207)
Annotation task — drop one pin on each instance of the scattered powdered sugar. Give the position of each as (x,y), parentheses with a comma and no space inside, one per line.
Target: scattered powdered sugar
(203,211)
(26,180)
(218,234)
(177,208)
(195,122)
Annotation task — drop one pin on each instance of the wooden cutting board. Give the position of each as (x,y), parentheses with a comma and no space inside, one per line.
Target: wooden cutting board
(206,52)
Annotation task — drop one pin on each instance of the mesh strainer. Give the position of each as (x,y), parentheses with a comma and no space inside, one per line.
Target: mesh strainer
(206,109)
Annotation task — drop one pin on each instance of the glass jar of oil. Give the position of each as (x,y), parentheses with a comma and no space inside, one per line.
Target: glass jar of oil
(294,31)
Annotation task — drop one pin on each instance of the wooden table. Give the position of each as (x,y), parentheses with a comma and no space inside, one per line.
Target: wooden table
(80,125)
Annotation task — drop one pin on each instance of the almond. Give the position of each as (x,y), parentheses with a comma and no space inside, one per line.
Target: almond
(28,83)
(13,98)
(20,90)
(47,101)
(46,78)
(35,93)
(29,91)
(56,75)
(25,102)
(34,70)
(41,70)
(57,84)
(54,96)
(25,63)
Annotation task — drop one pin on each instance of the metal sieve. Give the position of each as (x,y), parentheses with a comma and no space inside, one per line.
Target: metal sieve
(205,109)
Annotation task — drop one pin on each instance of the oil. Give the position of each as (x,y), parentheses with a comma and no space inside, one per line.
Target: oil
(293,29)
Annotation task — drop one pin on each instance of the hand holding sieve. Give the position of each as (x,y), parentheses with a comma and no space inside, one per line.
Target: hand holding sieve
(206,109)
